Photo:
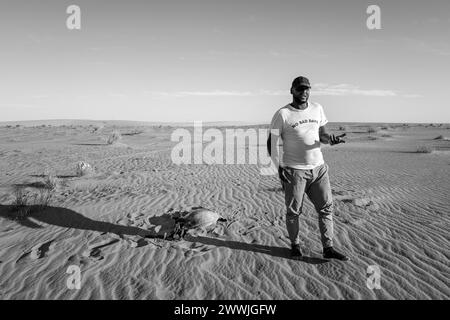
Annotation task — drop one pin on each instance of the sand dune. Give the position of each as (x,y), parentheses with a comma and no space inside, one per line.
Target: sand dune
(392,210)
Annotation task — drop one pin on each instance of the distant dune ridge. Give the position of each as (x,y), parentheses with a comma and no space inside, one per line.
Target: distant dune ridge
(391,211)
(123,123)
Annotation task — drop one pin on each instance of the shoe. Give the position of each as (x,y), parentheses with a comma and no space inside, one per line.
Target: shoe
(295,250)
(331,253)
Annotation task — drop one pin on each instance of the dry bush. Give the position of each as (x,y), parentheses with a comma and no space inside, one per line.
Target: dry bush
(133,132)
(43,198)
(386,135)
(84,169)
(424,149)
(372,129)
(21,206)
(95,129)
(441,137)
(50,182)
(21,197)
(26,203)
(114,137)
(22,213)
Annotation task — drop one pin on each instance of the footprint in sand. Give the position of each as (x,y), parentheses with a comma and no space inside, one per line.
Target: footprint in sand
(196,252)
(338,193)
(23,256)
(75,259)
(39,251)
(139,243)
(193,248)
(135,215)
(94,252)
(360,202)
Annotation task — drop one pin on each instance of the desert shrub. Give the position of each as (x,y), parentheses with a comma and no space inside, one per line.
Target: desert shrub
(22,213)
(384,128)
(50,182)
(372,129)
(96,128)
(26,203)
(424,149)
(133,132)
(114,137)
(386,135)
(20,197)
(83,169)
(43,198)
(342,128)
(346,220)
(372,138)
(441,137)
(21,204)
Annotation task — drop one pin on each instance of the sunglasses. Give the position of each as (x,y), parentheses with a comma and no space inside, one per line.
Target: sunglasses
(301,88)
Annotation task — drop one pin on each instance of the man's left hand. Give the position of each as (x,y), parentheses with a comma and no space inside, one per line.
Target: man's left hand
(337,139)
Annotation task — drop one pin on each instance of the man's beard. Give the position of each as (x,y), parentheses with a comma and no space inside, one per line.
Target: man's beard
(300,101)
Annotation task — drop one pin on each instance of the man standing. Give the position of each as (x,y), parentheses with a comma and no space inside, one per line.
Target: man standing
(301,127)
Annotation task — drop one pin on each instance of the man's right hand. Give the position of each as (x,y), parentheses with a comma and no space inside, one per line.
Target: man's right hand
(283,175)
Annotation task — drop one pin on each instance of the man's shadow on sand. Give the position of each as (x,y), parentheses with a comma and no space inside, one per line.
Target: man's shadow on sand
(66,218)
(284,253)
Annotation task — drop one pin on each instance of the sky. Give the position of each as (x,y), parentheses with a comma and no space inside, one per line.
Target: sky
(210,60)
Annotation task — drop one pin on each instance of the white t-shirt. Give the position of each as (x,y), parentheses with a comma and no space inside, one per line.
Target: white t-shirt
(299,131)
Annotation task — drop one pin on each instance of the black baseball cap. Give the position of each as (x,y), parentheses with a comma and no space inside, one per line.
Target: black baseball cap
(301,82)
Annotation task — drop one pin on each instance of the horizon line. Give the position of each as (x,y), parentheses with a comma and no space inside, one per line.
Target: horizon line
(8,122)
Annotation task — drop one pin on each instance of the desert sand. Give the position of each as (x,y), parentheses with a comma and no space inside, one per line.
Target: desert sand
(391,210)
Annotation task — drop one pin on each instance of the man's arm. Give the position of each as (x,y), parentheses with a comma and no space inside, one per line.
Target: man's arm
(275,132)
(269,145)
(324,136)
(275,159)
(273,147)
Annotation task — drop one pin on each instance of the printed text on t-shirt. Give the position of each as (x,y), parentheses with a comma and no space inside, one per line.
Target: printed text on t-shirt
(303,121)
